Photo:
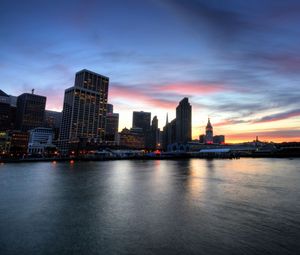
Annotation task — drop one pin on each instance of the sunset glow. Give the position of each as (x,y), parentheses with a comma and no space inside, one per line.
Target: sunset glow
(231,60)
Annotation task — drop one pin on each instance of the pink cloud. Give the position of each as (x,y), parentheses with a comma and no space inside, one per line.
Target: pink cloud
(133,94)
(279,116)
(192,88)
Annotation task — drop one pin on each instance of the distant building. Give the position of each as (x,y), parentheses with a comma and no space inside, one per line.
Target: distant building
(53,120)
(111,126)
(30,111)
(152,136)
(132,139)
(209,133)
(84,110)
(169,134)
(219,139)
(110,108)
(184,121)
(202,139)
(141,120)
(5,140)
(40,139)
(7,112)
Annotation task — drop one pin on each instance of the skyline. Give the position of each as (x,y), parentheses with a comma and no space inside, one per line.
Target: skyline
(239,64)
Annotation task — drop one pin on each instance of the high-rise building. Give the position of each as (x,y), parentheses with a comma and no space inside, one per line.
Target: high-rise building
(30,111)
(184,121)
(53,120)
(111,125)
(110,108)
(152,136)
(209,133)
(84,110)
(141,120)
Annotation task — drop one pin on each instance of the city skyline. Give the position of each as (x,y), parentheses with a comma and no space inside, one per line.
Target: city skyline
(237,63)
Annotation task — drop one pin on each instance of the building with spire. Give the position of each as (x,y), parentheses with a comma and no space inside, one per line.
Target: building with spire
(209,138)
(209,133)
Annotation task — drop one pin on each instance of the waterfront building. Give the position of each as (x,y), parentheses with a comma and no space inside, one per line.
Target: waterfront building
(30,111)
(202,138)
(184,121)
(111,126)
(18,143)
(4,143)
(209,133)
(84,109)
(219,139)
(141,120)
(133,138)
(40,140)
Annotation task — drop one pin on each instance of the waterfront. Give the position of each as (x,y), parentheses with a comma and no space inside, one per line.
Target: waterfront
(196,206)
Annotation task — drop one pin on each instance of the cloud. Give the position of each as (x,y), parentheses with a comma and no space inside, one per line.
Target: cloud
(279,135)
(279,116)
(135,94)
(186,88)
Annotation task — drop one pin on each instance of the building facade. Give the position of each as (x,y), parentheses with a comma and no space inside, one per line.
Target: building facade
(141,120)
(184,121)
(30,111)
(132,139)
(84,110)
(7,112)
(209,133)
(40,139)
(111,128)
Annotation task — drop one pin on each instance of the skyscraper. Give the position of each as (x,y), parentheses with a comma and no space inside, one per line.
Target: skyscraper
(84,109)
(30,111)
(111,125)
(184,121)
(141,120)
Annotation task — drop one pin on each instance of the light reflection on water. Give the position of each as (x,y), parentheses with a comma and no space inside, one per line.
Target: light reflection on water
(249,206)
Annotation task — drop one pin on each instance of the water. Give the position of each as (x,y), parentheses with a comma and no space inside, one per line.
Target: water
(246,206)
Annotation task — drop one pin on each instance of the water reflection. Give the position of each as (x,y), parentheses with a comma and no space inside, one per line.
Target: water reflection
(150,207)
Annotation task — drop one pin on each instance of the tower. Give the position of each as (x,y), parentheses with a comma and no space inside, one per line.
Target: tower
(209,133)
(85,106)
(184,121)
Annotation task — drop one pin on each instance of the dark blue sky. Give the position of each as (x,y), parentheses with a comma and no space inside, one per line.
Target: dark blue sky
(238,61)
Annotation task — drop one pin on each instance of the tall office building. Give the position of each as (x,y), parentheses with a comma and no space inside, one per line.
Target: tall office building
(184,121)
(53,120)
(141,120)
(111,125)
(152,136)
(110,108)
(30,111)
(84,110)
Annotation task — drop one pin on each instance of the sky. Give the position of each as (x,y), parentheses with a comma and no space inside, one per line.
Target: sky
(237,61)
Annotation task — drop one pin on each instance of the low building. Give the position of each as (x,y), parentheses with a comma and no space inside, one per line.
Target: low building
(132,139)
(18,143)
(40,141)
(219,139)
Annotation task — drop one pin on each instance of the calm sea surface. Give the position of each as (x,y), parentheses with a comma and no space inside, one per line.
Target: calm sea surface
(246,206)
